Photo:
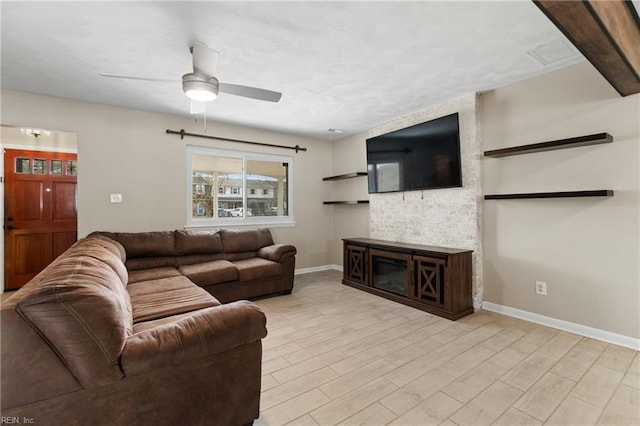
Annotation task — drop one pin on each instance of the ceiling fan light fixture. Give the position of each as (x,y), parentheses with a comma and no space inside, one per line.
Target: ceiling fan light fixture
(199,89)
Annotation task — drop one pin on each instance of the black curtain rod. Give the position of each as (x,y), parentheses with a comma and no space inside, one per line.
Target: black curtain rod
(182,134)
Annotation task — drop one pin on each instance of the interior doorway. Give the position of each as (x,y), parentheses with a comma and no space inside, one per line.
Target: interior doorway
(40,201)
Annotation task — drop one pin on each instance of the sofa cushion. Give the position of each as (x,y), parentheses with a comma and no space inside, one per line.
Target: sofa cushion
(148,325)
(209,273)
(237,240)
(103,249)
(144,244)
(197,242)
(112,245)
(189,339)
(141,263)
(153,274)
(190,259)
(80,306)
(250,269)
(167,296)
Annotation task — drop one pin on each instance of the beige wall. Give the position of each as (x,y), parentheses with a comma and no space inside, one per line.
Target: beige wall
(586,249)
(127,151)
(349,155)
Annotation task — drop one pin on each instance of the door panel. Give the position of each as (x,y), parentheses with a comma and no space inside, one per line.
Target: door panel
(31,255)
(40,209)
(62,241)
(28,200)
(64,201)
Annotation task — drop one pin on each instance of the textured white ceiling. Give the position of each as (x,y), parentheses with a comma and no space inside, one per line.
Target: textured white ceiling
(345,65)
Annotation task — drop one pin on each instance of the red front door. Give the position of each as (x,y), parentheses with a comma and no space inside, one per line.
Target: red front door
(40,211)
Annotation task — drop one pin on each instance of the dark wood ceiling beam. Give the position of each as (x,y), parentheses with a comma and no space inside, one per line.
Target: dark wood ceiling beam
(607,33)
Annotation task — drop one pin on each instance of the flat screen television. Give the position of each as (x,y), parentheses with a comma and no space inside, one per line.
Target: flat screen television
(424,156)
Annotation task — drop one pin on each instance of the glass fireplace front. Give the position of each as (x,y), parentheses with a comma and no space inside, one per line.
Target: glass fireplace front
(390,275)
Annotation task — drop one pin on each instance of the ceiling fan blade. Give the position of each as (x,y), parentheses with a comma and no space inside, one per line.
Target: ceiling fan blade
(250,92)
(205,60)
(132,77)
(198,107)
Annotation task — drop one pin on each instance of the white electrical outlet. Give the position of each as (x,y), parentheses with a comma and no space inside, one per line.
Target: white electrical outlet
(116,198)
(541,288)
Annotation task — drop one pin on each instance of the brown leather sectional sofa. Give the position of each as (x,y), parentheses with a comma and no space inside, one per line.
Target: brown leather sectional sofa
(92,341)
(231,264)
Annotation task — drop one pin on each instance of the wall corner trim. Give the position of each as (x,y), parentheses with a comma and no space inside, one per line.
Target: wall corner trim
(582,330)
(318,269)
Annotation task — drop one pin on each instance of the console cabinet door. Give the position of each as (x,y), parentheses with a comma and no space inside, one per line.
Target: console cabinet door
(355,266)
(429,282)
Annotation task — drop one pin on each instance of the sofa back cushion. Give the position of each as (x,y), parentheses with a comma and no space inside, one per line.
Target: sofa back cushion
(245,240)
(197,242)
(144,244)
(105,250)
(79,304)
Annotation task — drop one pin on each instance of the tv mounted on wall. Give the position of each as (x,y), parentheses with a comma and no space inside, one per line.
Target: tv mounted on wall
(424,156)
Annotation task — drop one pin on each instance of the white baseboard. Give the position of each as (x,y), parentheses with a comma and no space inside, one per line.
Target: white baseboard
(582,330)
(318,269)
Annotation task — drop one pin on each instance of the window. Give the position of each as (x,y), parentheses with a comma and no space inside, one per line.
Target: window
(56,167)
(39,166)
(23,165)
(260,189)
(72,167)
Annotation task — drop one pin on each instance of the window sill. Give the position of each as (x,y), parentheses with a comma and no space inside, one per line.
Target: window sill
(246,223)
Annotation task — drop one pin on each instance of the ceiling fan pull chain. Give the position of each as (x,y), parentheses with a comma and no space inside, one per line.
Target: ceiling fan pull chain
(205,118)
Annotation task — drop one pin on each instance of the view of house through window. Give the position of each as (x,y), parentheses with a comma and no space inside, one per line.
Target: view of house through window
(232,186)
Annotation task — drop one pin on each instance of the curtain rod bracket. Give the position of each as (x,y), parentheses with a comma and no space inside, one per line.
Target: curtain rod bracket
(182,134)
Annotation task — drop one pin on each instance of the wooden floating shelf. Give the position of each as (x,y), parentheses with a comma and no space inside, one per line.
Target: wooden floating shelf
(552,145)
(346,176)
(347,202)
(565,194)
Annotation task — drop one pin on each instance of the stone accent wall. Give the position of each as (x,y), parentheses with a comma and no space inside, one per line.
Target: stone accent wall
(441,217)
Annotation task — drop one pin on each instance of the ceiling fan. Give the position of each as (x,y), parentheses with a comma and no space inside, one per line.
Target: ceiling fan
(201,86)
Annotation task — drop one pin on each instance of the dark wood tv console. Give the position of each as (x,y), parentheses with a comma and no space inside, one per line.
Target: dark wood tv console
(434,279)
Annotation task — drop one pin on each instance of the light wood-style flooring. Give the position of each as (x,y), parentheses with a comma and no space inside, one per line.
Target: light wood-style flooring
(337,355)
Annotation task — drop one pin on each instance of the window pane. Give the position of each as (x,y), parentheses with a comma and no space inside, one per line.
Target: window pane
(72,167)
(23,165)
(56,167)
(210,179)
(267,186)
(39,166)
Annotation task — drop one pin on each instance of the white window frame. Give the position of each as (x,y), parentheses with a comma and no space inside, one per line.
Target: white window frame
(246,221)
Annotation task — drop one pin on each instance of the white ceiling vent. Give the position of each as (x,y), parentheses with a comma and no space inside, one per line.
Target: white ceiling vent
(553,52)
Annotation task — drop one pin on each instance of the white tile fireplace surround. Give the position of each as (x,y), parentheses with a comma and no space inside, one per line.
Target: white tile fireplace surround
(447,217)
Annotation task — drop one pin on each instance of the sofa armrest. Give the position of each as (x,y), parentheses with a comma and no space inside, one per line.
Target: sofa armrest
(206,332)
(277,252)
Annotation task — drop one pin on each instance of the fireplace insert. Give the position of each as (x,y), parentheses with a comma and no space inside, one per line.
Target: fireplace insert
(390,275)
